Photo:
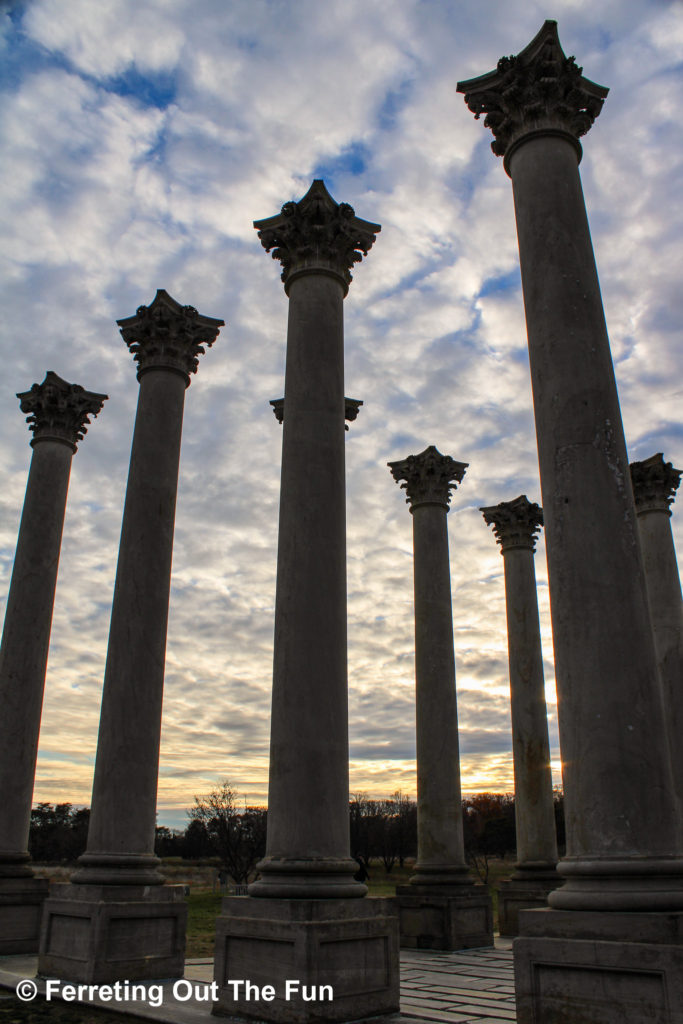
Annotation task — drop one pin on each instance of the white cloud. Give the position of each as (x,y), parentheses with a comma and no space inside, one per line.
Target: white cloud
(140,142)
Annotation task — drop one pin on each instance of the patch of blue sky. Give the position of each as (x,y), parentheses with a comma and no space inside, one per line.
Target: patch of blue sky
(351,161)
(394,102)
(150,90)
(503,283)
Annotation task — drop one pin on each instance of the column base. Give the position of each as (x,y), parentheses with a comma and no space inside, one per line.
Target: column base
(306,960)
(432,917)
(522,893)
(102,933)
(21,909)
(599,967)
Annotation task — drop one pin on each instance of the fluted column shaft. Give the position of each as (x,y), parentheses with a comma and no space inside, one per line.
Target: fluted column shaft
(122,822)
(515,524)
(534,811)
(25,642)
(123,815)
(307,846)
(428,479)
(440,843)
(623,845)
(309,726)
(56,408)
(654,486)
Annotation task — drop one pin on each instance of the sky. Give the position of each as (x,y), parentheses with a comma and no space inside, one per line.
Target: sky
(139,140)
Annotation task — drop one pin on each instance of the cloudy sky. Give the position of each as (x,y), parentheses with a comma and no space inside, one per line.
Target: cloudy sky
(140,139)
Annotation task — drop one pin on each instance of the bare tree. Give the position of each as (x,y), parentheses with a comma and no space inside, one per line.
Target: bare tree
(237,837)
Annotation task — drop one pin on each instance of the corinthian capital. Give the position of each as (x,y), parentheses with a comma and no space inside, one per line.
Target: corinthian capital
(59,411)
(654,484)
(515,523)
(351,409)
(538,91)
(168,336)
(317,235)
(428,477)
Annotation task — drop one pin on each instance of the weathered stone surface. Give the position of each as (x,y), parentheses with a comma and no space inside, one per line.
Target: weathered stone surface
(595,968)
(21,908)
(520,893)
(442,887)
(165,340)
(57,415)
(515,524)
(430,918)
(96,934)
(349,945)
(655,483)
(623,839)
(619,799)
(307,854)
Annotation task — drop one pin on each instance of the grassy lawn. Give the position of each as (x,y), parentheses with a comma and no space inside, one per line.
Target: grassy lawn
(202,910)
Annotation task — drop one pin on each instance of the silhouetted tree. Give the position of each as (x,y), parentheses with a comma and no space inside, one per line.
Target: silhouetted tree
(58,832)
(237,837)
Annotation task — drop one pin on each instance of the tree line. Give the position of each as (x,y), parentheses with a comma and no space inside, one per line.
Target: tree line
(383,832)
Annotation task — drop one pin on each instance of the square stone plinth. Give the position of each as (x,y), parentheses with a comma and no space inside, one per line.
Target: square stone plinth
(524,894)
(437,920)
(306,960)
(597,967)
(102,933)
(21,908)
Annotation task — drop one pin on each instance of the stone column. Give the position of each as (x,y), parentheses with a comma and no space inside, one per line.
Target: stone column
(654,488)
(121,921)
(623,845)
(515,524)
(57,415)
(306,889)
(441,908)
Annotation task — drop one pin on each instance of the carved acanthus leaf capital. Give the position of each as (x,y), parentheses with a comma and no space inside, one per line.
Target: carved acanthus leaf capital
(351,409)
(317,234)
(655,483)
(539,90)
(428,477)
(515,523)
(168,336)
(59,411)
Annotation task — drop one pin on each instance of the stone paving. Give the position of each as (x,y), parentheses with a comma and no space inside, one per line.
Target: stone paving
(473,986)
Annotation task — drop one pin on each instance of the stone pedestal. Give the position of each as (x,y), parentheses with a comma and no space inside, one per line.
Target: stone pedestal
(101,933)
(584,967)
(57,414)
(623,840)
(324,960)
(515,524)
(305,917)
(432,919)
(21,908)
(165,339)
(441,890)
(523,893)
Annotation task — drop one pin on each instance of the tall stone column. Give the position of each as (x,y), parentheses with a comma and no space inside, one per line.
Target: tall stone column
(306,889)
(515,524)
(58,413)
(441,908)
(116,919)
(623,844)
(655,483)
